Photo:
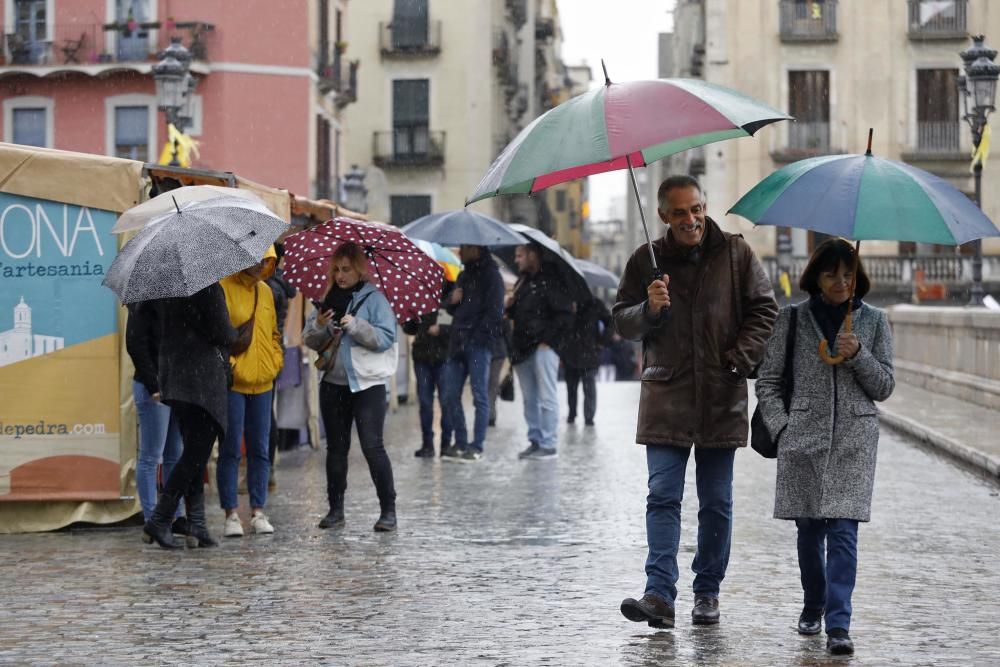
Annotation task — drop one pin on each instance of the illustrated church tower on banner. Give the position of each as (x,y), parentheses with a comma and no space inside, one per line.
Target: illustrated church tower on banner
(18,344)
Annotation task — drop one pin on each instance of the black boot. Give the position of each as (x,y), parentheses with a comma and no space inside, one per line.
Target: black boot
(194,502)
(335,517)
(158,527)
(387,520)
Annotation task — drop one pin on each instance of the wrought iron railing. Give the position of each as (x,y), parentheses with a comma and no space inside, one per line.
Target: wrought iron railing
(894,272)
(809,136)
(408,145)
(937,19)
(409,38)
(938,136)
(814,20)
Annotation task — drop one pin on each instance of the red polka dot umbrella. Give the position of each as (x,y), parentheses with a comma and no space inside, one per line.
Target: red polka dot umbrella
(410,279)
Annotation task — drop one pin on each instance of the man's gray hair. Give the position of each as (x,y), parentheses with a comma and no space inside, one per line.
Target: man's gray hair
(674,182)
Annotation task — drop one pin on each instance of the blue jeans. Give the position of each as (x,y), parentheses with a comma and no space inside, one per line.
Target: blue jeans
(828,582)
(249,414)
(538,376)
(429,378)
(472,362)
(714,473)
(159,438)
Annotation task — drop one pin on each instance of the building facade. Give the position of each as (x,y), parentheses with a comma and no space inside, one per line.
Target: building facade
(448,83)
(839,68)
(272,81)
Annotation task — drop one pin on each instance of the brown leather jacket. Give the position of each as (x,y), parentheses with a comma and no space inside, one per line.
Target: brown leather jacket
(691,394)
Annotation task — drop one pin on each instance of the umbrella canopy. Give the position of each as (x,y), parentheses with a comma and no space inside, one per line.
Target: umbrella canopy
(405,274)
(597,276)
(462,227)
(189,250)
(863,197)
(448,260)
(621,125)
(138,216)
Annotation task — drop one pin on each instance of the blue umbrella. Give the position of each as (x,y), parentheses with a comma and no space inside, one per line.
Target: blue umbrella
(462,227)
(596,275)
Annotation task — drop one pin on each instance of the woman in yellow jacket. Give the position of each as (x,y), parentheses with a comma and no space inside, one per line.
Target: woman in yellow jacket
(256,359)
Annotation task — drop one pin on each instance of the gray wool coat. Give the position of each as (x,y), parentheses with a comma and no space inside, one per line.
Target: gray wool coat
(829,437)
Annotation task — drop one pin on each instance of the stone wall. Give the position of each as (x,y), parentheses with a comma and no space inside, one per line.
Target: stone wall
(955,351)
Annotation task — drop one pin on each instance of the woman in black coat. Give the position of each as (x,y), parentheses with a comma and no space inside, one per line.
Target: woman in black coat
(194,377)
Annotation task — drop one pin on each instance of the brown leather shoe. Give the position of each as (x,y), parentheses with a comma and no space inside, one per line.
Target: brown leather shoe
(706,610)
(651,608)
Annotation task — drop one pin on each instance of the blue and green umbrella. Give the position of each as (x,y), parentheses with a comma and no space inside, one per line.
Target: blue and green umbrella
(865,198)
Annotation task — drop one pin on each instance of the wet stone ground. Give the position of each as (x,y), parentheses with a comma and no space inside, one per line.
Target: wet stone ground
(507,562)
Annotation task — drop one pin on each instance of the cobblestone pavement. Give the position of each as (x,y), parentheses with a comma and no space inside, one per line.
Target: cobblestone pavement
(507,562)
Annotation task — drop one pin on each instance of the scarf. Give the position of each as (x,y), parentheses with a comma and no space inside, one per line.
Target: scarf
(830,318)
(338,299)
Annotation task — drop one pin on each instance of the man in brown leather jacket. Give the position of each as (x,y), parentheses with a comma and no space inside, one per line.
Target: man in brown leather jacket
(704,327)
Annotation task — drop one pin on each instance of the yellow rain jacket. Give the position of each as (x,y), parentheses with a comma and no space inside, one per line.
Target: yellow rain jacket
(254,371)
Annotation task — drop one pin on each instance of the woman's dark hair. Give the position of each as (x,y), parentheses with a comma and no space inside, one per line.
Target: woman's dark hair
(827,257)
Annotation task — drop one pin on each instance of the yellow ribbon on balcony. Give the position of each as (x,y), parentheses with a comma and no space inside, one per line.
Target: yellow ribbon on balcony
(186,147)
(982,151)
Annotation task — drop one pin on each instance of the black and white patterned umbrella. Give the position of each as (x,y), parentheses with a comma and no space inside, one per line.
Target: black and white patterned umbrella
(184,252)
(406,275)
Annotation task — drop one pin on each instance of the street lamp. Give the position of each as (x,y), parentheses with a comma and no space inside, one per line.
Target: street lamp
(977,90)
(173,87)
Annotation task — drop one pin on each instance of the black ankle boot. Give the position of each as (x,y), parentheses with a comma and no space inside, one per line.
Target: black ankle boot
(158,527)
(387,521)
(194,503)
(335,517)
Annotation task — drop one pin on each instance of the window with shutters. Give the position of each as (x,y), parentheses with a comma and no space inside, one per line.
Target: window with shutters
(132,133)
(29,127)
(404,209)
(809,103)
(938,125)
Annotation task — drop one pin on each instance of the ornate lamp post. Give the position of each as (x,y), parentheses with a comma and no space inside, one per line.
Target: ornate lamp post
(977,90)
(174,85)
(355,192)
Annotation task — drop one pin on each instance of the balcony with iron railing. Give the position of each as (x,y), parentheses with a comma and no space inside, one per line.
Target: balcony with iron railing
(339,75)
(808,21)
(939,137)
(82,45)
(408,146)
(408,38)
(938,19)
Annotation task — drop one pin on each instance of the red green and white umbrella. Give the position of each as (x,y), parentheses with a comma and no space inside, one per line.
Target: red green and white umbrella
(620,125)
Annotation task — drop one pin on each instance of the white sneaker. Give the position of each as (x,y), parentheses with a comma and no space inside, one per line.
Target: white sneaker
(260,524)
(234,527)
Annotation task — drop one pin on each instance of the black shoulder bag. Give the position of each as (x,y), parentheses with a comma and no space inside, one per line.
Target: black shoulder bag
(762,441)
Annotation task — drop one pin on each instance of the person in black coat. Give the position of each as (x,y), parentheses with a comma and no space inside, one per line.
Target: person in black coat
(541,312)
(476,305)
(581,355)
(194,377)
(159,432)
(283,293)
(430,354)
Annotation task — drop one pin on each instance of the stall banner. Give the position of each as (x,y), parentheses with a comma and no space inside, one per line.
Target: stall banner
(59,384)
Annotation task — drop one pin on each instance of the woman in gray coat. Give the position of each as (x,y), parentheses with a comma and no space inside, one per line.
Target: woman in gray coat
(827,439)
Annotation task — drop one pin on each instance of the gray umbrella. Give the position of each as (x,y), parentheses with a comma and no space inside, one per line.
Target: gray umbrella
(183,252)
(596,275)
(554,255)
(462,227)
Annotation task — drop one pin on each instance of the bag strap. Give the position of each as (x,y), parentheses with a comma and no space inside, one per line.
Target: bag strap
(734,273)
(354,311)
(789,370)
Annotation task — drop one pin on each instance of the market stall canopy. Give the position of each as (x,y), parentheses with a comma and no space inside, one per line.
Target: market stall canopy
(80,179)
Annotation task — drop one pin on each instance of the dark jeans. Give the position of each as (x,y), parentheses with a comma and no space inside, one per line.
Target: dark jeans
(429,378)
(574,376)
(366,410)
(496,367)
(714,471)
(472,362)
(199,433)
(828,582)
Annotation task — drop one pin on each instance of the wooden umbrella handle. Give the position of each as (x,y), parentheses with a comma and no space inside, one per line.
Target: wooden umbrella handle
(824,352)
